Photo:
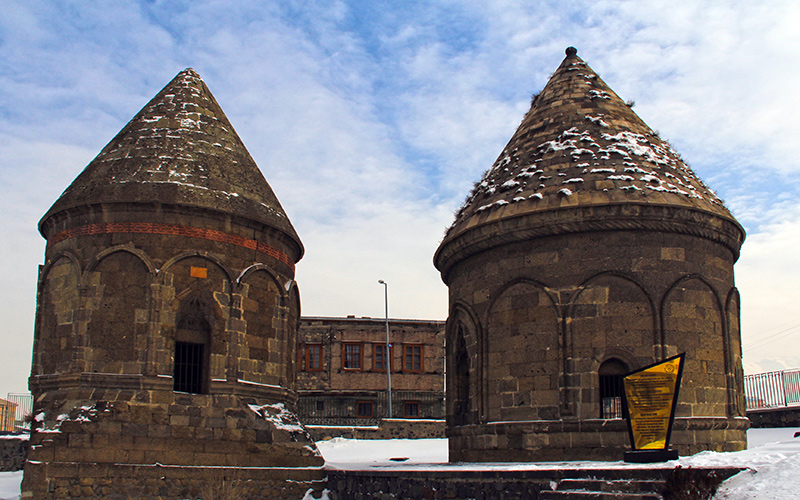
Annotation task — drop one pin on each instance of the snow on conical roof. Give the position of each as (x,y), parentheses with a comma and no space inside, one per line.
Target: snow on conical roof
(179,149)
(581,146)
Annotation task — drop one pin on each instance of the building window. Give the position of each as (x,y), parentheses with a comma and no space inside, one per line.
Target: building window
(611,374)
(188,370)
(312,357)
(379,357)
(365,409)
(320,405)
(411,409)
(412,358)
(352,356)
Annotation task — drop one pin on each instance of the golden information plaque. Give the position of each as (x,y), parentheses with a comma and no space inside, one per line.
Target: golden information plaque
(651,395)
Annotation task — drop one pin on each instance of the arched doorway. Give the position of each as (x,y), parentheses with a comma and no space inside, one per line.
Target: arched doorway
(611,374)
(192,349)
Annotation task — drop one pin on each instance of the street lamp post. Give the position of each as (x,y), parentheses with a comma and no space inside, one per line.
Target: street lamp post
(388,346)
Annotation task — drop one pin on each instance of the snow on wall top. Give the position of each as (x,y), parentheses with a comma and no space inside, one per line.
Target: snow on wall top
(579,145)
(180,148)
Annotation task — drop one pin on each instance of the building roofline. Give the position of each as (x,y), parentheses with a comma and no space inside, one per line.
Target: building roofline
(368,319)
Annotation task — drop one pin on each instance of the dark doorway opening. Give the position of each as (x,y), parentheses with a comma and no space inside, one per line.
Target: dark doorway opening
(189,363)
(461,409)
(193,345)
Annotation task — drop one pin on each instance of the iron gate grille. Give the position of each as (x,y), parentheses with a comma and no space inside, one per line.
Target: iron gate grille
(188,367)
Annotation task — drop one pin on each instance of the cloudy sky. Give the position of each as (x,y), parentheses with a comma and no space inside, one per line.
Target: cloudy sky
(371,120)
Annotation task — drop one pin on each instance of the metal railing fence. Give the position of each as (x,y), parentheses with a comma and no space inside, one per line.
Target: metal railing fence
(772,389)
(24,402)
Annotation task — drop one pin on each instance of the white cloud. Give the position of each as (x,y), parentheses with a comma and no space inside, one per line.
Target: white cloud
(33,176)
(768,277)
(371,122)
(339,273)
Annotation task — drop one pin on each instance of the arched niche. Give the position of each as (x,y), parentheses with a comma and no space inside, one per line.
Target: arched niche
(464,392)
(610,313)
(194,325)
(118,285)
(523,354)
(200,286)
(738,405)
(292,327)
(59,299)
(693,323)
(263,351)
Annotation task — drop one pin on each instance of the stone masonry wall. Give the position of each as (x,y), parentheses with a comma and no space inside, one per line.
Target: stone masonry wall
(774,417)
(521,484)
(156,482)
(532,322)
(13,452)
(89,448)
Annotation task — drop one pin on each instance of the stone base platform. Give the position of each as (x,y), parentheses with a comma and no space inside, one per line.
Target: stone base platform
(562,483)
(585,439)
(121,482)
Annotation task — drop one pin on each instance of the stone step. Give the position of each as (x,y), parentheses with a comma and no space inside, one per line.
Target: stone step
(596,495)
(615,485)
(585,488)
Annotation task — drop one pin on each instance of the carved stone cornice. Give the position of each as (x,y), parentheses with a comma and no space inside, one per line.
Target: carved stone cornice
(617,217)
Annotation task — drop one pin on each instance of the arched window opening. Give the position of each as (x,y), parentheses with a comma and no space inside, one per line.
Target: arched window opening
(611,374)
(462,406)
(192,351)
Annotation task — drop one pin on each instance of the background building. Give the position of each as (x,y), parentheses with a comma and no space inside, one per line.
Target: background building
(342,370)
(8,414)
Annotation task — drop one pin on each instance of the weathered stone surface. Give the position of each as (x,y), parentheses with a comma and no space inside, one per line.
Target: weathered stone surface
(542,483)
(167,317)
(180,149)
(589,243)
(13,452)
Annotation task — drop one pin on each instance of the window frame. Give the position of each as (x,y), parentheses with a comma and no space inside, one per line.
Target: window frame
(406,405)
(360,366)
(375,357)
(371,408)
(411,347)
(307,357)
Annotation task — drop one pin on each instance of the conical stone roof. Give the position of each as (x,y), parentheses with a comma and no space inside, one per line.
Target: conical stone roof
(578,152)
(180,149)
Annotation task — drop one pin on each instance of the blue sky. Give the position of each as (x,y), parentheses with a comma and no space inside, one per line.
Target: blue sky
(371,121)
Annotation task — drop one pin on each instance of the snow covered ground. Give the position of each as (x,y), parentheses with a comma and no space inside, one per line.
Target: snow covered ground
(9,485)
(773,460)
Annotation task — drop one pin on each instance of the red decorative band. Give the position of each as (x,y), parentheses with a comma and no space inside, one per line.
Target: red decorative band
(169,229)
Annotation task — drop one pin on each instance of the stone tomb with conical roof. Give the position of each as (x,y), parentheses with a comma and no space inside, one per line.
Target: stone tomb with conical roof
(167,314)
(589,249)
